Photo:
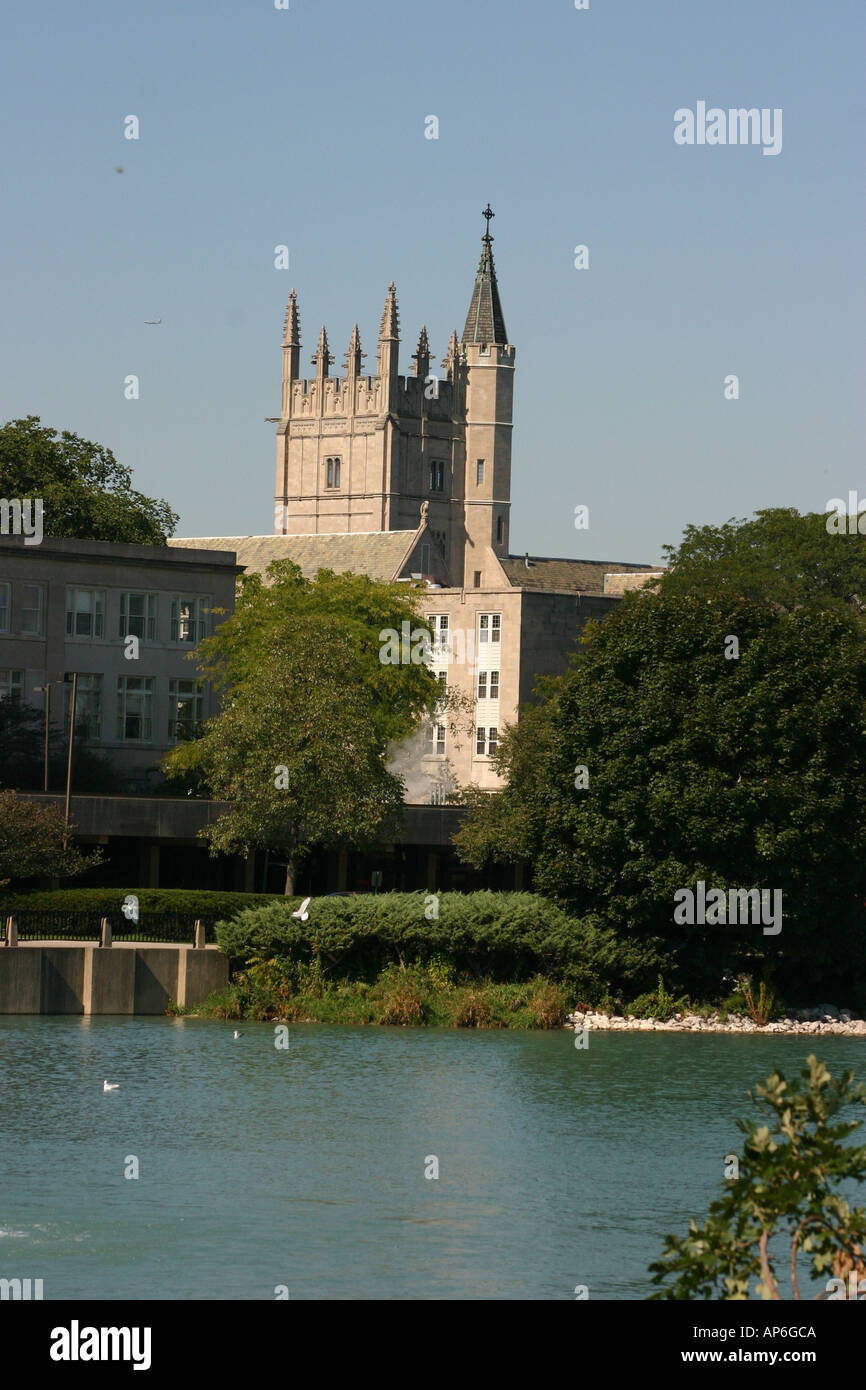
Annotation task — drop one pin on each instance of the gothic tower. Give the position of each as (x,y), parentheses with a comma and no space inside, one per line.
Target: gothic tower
(488,364)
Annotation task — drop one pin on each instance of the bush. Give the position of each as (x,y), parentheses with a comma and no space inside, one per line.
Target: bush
(196,902)
(504,936)
(403,995)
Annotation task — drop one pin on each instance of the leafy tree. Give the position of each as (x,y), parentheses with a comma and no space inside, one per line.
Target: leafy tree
(305,691)
(784,1203)
(743,773)
(33,842)
(22,738)
(86,493)
(779,558)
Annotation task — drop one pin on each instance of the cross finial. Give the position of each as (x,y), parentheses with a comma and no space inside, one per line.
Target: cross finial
(488,213)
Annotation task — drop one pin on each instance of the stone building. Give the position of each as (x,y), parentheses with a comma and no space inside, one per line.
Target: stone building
(409,478)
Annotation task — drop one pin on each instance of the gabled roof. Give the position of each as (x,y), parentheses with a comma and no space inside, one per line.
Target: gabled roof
(485,322)
(583,576)
(379,554)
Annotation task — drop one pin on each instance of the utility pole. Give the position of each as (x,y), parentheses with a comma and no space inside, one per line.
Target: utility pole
(46,690)
(69,755)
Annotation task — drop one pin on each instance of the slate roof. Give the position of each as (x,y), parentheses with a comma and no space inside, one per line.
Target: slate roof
(378,554)
(485,322)
(584,576)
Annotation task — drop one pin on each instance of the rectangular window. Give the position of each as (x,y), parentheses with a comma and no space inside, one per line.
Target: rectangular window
(32,603)
(489,627)
(486,741)
(332,472)
(88,705)
(134,709)
(435,740)
(5,606)
(438,794)
(138,616)
(499,530)
(185,709)
(188,619)
(437,476)
(482,685)
(477,579)
(85,612)
(494,685)
(479,472)
(439,623)
(11,684)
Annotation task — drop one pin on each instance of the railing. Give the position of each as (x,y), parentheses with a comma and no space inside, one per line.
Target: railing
(39,924)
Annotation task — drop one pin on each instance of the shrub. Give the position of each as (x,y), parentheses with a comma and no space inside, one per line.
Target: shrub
(547,1004)
(403,995)
(474,1011)
(196,902)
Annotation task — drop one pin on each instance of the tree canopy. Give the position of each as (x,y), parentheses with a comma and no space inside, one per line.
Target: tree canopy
(742,772)
(33,842)
(86,493)
(309,712)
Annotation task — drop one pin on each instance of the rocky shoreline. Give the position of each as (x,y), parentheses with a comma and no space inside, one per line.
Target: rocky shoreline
(826,1019)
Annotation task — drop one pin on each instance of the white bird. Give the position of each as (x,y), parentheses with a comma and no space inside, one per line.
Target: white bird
(111,1085)
(236,1034)
(302,910)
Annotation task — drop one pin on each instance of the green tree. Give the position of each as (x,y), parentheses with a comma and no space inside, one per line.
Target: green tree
(778,557)
(310,713)
(785,1202)
(33,842)
(743,773)
(86,493)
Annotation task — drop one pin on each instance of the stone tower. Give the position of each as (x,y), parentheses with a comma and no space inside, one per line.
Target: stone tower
(360,453)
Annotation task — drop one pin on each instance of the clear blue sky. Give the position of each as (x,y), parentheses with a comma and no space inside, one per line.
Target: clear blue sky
(306,127)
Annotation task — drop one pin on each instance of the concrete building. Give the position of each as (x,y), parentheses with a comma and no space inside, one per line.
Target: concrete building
(73,606)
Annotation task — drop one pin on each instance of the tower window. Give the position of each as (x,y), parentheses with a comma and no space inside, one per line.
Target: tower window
(332,473)
(477,579)
(499,530)
(437,476)
(479,472)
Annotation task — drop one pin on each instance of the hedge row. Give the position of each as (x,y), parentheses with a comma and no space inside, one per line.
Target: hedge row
(502,935)
(193,901)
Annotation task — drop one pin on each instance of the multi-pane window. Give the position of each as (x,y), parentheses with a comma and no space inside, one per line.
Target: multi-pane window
(134,709)
(488,685)
(479,472)
(437,476)
(32,609)
(188,619)
(332,472)
(88,705)
(138,616)
(185,708)
(5,606)
(486,741)
(11,683)
(85,612)
(439,623)
(438,794)
(435,740)
(489,628)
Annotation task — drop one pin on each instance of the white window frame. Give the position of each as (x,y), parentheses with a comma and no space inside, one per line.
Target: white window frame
(96,614)
(145,693)
(39,610)
(147,619)
(11,685)
(200,610)
(197,695)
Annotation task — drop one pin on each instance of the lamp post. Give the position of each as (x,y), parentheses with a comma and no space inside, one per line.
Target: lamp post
(66,678)
(46,691)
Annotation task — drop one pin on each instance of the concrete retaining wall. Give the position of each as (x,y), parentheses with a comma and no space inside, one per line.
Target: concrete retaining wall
(127,978)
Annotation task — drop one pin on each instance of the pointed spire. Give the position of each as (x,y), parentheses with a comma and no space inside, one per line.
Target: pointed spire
(292,323)
(354,355)
(452,356)
(323,358)
(390,325)
(485,322)
(421,355)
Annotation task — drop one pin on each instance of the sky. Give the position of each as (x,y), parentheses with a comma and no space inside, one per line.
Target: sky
(305,127)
